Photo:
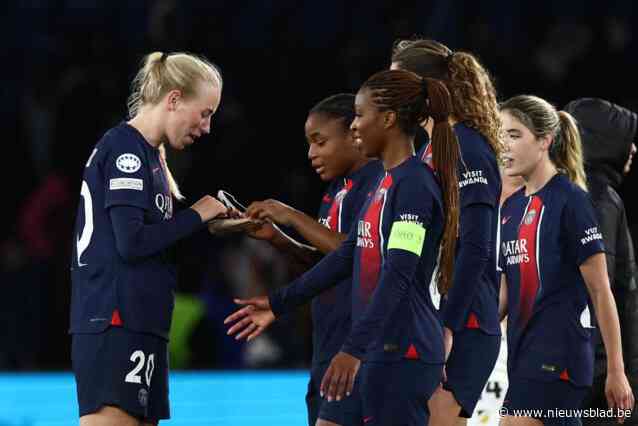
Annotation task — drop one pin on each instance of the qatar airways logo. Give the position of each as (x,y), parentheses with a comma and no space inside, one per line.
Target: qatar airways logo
(591,234)
(472,177)
(364,236)
(515,251)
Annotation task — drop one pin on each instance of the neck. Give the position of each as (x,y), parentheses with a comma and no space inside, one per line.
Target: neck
(358,164)
(149,123)
(396,151)
(536,180)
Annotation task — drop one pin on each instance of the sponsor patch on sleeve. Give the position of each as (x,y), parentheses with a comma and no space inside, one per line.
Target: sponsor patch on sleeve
(408,236)
(126,183)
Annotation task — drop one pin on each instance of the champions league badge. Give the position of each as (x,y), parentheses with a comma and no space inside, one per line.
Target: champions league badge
(529,217)
(128,163)
(142,396)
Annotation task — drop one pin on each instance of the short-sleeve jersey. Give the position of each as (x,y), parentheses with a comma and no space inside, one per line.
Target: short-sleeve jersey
(338,211)
(123,170)
(392,308)
(545,237)
(479,183)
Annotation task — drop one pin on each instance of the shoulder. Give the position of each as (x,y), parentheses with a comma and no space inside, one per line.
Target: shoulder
(474,146)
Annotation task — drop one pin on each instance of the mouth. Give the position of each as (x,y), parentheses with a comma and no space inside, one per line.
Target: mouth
(319,169)
(507,161)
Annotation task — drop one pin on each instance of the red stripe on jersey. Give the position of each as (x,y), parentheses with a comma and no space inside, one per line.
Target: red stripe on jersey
(334,214)
(564,375)
(370,241)
(529,274)
(472,321)
(115,319)
(412,353)
(426,157)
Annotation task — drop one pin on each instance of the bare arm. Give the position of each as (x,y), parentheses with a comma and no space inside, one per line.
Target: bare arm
(594,272)
(502,299)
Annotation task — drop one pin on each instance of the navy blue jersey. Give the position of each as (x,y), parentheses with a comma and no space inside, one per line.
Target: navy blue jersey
(391,256)
(473,299)
(135,292)
(340,205)
(545,237)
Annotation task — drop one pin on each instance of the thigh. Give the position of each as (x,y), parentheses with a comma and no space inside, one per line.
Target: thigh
(396,394)
(121,369)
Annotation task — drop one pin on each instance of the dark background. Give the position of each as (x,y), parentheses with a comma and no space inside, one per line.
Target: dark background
(66,70)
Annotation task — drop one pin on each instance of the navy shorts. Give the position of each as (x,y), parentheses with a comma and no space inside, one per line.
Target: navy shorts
(122,368)
(397,393)
(346,412)
(546,399)
(469,365)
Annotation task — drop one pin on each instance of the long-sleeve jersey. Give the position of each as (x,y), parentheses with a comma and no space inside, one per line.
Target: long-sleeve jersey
(121,269)
(391,256)
(545,237)
(472,301)
(338,211)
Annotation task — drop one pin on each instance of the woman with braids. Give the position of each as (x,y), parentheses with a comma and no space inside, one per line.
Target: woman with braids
(469,308)
(122,273)
(335,156)
(391,255)
(552,258)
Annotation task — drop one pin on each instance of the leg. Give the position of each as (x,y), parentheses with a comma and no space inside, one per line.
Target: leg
(109,416)
(444,409)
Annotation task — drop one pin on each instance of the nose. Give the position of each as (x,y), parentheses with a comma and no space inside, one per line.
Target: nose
(312,151)
(206,125)
(353,125)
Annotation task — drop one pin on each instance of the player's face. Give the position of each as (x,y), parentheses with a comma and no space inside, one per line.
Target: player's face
(367,126)
(522,149)
(190,118)
(331,148)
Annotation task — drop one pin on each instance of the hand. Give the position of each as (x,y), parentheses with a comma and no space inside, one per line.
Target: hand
(339,377)
(618,393)
(448,340)
(255,317)
(265,232)
(209,208)
(271,210)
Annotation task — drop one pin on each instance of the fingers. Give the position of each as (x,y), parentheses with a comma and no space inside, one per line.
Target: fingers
(256,333)
(240,325)
(238,314)
(247,331)
(327,378)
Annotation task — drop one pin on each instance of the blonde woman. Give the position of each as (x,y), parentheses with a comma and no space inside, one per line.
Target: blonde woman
(553,263)
(122,273)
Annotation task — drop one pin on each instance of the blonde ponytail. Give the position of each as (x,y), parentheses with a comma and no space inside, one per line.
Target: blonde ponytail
(568,154)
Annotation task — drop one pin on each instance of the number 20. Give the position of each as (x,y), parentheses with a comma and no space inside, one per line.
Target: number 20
(133,376)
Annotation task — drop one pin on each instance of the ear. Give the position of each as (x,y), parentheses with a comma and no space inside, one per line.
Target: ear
(172,99)
(389,119)
(546,141)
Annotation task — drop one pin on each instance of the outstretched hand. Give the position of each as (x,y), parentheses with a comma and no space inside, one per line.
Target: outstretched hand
(251,320)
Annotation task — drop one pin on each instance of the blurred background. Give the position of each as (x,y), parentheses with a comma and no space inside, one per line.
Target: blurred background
(66,74)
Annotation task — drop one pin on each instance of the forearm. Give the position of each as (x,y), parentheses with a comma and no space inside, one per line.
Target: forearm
(609,325)
(326,274)
(301,257)
(324,239)
(135,239)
